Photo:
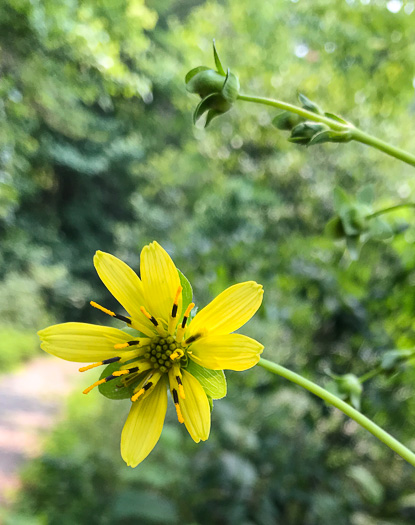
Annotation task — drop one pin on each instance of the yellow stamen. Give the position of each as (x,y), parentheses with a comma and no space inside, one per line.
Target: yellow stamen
(177,354)
(118,373)
(87,390)
(99,307)
(137,395)
(187,312)
(179,413)
(94,365)
(182,327)
(154,321)
(173,315)
(104,362)
(121,345)
(144,311)
(178,377)
(111,313)
(176,298)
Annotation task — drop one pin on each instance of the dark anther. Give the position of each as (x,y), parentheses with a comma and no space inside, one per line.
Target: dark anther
(111,360)
(174,310)
(175,396)
(122,318)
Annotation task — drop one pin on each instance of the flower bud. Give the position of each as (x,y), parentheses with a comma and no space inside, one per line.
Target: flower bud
(305,131)
(217,89)
(204,82)
(347,387)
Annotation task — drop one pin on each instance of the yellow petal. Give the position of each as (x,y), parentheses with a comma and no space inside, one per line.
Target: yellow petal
(125,285)
(195,408)
(229,310)
(160,281)
(226,352)
(82,342)
(144,425)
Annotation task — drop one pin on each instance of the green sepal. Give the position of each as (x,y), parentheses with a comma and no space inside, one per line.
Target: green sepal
(330,135)
(214,101)
(112,390)
(230,89)
(212,381)
(212,113)
(210,403)
(309,104)
(187,292)
(218,63)
(335,117)
(194,72)
(334,229)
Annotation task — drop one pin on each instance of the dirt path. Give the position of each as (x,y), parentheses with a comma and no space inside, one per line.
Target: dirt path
(30,402)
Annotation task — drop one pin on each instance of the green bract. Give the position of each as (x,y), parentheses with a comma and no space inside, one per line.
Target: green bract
(218,89)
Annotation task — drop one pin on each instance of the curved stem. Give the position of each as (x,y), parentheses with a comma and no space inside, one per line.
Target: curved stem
(333,400)
(391,208)
(356,133)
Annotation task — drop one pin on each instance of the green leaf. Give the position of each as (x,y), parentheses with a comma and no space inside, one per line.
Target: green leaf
(218,63)
(194,72)
(212,381)
(112,389)
(187,292)
(369,486)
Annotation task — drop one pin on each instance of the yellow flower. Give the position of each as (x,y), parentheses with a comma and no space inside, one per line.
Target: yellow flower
(168,343)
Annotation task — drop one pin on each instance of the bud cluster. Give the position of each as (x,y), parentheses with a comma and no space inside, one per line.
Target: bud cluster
(308,132)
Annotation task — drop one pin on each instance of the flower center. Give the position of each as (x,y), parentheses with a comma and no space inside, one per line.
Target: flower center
(160,351)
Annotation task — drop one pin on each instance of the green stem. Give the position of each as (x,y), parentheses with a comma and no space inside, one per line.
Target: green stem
(365,422)
(372,373)
(391,208)
(356,133)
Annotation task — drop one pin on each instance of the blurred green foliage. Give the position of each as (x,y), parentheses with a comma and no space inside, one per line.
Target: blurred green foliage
(98,151)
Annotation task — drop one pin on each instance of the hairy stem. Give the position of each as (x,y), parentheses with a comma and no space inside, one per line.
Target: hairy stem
(356,133)
(333,400)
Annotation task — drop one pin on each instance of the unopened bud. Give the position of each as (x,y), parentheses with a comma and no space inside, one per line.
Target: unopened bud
(305,131)
(217,89)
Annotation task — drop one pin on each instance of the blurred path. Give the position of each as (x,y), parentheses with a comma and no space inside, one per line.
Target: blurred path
(30,402)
